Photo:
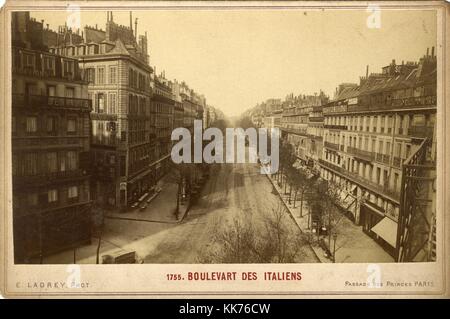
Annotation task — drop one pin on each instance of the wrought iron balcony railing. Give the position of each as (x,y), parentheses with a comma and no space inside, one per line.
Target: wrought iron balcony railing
(365,155)
(44,178)
(374,187)
(25,100)
(413,102)
(332,146)
(335,126)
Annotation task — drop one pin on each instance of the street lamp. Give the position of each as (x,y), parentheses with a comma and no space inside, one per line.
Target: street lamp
(334,247)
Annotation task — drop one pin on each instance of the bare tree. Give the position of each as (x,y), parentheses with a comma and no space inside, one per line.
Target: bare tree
(273,239)
(327,202)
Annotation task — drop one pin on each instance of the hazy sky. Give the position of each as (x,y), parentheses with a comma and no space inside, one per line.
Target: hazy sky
(239,58)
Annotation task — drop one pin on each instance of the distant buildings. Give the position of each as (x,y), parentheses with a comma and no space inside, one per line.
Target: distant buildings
(50,147)
(376,142)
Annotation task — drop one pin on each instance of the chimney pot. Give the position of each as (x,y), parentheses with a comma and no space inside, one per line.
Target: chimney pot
(432,52)
(428,51)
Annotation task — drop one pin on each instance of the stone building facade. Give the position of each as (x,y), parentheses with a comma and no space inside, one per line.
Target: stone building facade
(50,147)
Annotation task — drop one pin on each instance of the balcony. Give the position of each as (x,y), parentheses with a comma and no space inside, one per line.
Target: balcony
(335,127)
(45,178)
(374,187)
(25,100)
(294,131)
(332,146)
(46,73)
(365,155)
(332,166)
(48,142)
(421,131)
(316,119)
(409,102)
(382,158)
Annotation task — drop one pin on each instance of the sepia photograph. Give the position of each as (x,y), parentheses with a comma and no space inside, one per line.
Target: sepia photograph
(214,135)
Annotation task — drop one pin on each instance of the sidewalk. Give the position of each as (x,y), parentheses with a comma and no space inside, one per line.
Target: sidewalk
(160,210)
(352,244)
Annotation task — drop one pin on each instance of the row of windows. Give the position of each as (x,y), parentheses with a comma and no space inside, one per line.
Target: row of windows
(371,145)
(98,75)
(137,80)
(138,104)
(52,196)
(104,102)
(368,171)
(49,125)
(378,124)
(30,164)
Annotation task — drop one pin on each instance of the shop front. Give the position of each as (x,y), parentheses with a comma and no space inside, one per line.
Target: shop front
(379,227)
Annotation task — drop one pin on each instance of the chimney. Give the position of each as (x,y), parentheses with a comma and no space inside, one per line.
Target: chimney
(135,27)
(131,20)
(367,71)
(432,52)
(47,26)
(96,26)
(428,51)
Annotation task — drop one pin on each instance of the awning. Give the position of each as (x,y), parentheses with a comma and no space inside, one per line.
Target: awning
(387,229)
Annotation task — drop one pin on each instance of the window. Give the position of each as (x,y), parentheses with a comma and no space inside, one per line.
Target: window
(73,192)
(28,60)
(90,75)
(112,103)
(101,75)
(375,120)
(50,124)
(100,103)
(70,92)
(51,90)
(388,148)
(52,162)
(30,161)
(71,160)
(380,147)
(71,125)
(31,124)
(49,65)
(68,68)
(389,126)
(123,136)
(62,163)
(398,148)
(396,178)
(32,199)
(112,74)
(52,195)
